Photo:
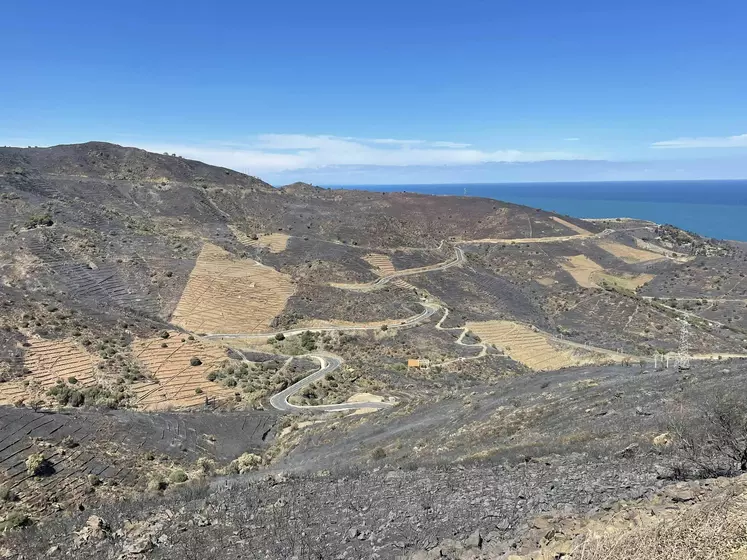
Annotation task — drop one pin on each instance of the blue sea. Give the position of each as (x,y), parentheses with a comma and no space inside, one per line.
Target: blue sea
(711,208)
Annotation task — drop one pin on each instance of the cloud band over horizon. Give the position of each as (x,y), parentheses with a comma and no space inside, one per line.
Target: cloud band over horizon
(737,141)
(271,153)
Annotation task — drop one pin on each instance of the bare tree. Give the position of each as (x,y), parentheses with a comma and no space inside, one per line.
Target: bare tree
(713,440)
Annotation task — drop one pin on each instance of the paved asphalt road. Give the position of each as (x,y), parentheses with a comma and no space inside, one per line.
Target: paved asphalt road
(429,309)
(328,364)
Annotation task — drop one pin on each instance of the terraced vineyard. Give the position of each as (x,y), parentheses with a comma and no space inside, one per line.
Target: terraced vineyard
(102,284)
(179,384)
(534,349)
(113,447)
(384,267)
(226,294)
(275,242)
(12,392)
(49,361)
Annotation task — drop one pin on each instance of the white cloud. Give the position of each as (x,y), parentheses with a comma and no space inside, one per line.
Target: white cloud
(739,141)
(285,152)
(574,139)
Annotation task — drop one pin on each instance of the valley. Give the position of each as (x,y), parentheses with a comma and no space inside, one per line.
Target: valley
(182,336)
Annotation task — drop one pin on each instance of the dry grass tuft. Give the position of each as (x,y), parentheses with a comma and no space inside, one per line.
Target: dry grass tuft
(713,530)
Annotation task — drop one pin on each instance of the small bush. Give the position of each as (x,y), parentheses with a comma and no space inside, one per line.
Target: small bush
(178,476)
(7,495)
(280,336)
(164,334)
(206,465)
(156,485)
(195,361)
(77,399)
(39,220)
(14,520)
(198,391)
(37,465)
(245,463)
(378,454)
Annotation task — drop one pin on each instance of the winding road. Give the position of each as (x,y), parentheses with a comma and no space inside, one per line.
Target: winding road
(328,364)
(428,311)
(383,280)
(460,341)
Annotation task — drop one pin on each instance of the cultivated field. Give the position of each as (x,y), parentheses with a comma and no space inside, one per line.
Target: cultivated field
(589,274)
(630,255)
(582,268)
(534,349)
(226,294)
(49,361)
(275,242)
(631,283)
(178,383)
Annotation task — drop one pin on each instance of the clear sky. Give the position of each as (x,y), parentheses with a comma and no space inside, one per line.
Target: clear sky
(389,91)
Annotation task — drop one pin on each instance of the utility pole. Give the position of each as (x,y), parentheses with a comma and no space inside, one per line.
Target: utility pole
(683,355)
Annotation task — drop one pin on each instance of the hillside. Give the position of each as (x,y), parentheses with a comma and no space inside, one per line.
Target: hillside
(168,326)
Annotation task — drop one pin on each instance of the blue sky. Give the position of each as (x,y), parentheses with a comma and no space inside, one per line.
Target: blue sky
(389,91)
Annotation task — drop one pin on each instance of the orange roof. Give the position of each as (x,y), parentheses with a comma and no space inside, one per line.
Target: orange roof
(413,363)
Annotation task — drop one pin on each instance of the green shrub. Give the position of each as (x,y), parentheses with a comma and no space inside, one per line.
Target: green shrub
(37,465)
(178,476)
(156,485)
(39,220)
(7,495)
(206,465)
(245,463)
(195,361)
(14,520)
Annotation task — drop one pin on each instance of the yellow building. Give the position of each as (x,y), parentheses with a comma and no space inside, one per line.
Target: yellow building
(419,364)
